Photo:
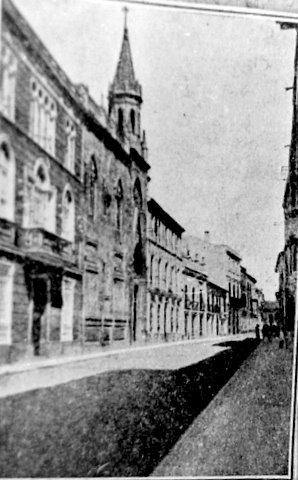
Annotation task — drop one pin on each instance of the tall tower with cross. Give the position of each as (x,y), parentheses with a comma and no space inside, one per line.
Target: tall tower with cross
(125,96)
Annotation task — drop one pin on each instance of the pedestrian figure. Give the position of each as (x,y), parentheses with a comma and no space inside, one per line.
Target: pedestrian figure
(281,338)
(257,330)
(286,338)
(265,331)
(269,333)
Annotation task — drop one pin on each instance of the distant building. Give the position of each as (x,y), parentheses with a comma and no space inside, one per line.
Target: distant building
(212,259)
(249,305)
(223,269)
(270,312)
(195,299)
(164,277)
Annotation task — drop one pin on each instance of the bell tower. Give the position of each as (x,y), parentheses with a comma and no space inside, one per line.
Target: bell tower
(125,95)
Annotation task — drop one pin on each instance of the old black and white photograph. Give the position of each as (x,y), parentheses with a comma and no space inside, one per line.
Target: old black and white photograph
(148,238)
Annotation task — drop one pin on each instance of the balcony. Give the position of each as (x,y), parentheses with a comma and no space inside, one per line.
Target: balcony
(49,245)
(187,303)
(195,305)
(7,232)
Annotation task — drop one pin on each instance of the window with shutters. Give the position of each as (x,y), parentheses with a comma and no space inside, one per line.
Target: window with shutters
(7,180)
(8,72)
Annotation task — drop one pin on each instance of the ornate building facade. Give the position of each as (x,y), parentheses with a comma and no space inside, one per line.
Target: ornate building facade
(86,260)
(73,203)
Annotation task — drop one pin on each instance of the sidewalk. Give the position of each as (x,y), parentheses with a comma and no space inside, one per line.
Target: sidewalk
(22,377)
(120,423)
(245,429)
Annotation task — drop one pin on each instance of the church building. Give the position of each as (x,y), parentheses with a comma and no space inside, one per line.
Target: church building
(73,190)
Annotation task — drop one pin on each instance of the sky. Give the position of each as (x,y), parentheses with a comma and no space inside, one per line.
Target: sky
(216,112)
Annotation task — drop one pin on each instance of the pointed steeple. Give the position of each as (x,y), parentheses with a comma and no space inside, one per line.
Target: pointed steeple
(125,96)
(124,80)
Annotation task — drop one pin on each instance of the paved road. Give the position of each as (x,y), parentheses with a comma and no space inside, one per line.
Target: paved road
(245,428)
(24,377)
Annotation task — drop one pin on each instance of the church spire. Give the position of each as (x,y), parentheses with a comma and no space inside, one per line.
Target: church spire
(125,94)
(124,80)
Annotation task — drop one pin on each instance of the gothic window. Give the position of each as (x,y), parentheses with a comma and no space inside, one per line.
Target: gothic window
(155,228)
(7,181)
(132,120)
(155,273)
(120,122)
(107,199)
(70,145)
(172,279)
(43,113)
(151,273)
(119,206)
(158,283)
(68,215)
(42,199)
(137,194)
(90,181)
(185,295)
(8,82)
(165,277)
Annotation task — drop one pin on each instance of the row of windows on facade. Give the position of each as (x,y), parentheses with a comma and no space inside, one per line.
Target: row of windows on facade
(43,110)
(167,312)
(234,290)
(163,275)
(41,199)
(133,123)
(90,188)
(40,196)
(164,319)
(163,235)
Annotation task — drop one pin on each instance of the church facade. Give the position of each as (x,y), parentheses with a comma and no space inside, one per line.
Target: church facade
(73,203)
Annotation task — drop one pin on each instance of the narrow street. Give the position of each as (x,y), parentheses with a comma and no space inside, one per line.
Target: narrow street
(245,428)
(42,373)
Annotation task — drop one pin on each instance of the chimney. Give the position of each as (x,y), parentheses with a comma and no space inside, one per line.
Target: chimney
(207,236)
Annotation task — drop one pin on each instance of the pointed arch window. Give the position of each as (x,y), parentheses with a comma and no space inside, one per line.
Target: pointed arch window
(8,84)
(158,283)
(41,199)
(90,183)
(120,122)
(7,180)
(70,145)
(119,207)
(43,114)
(133,120)
(68,215)
(165,276)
